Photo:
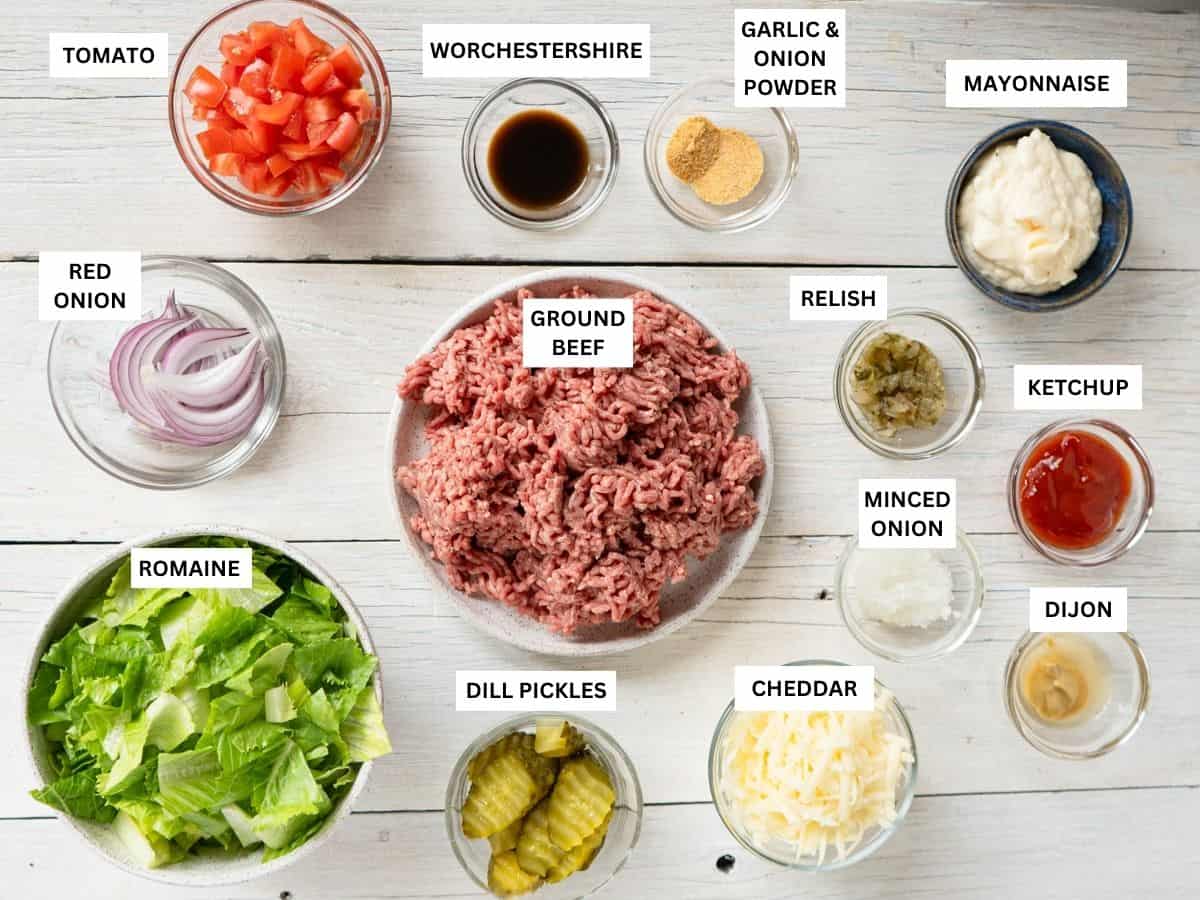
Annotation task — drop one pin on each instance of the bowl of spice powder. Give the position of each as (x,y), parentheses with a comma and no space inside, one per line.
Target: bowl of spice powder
(718,167)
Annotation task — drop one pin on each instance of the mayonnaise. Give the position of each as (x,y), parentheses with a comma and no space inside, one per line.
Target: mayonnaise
(1029,216)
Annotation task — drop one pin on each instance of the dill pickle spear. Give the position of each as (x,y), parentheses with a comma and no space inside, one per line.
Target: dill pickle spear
(582,798)
(535,851)
(480,760)
(581,857)
(504,791)
(506,839)
(506,878)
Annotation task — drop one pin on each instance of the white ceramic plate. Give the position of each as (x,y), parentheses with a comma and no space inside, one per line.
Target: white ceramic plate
(194,871)
(681,602)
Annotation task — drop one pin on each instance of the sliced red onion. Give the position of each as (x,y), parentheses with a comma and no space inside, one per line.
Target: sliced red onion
(213,387)
(200,345)
(204,427)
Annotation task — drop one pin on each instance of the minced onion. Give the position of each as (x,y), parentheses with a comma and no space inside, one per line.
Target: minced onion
(186,382)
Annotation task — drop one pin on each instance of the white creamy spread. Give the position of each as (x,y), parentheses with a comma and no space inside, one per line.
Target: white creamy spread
(1029,216)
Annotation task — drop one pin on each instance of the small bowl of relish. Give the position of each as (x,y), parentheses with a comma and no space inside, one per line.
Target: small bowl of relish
(1081,491)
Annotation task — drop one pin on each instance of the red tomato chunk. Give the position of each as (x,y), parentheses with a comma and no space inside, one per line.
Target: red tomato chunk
(285,114)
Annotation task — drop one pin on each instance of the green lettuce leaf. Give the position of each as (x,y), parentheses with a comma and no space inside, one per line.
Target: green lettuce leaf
(76,795)
(363,731)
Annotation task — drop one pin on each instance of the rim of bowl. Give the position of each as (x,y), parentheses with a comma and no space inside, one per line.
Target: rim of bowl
(217,187)
(1010,701)
(1070,557)
(846,361)
(1015,299)
(865,849)
(761,213)
(458,775)
(433,568)
(272,407)
(475,179)
(114,555)
(965,627)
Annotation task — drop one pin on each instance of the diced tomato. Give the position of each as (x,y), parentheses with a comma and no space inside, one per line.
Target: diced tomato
(318,131)
(278,164)
(239,105)
(286,68)
(332,85)
(321,109)
(263,34)
(237,49)
(276,187)
(226,163)
(305,41)
(254,175)
(346,64)
(215,140)
(294,129)
(231,74)
(330,174)
(308,178)
(300,152)
(360,102)
(205,89)
(263,135)
(314,79)
(343,137)
(279,112)
(254,80)
(244,144)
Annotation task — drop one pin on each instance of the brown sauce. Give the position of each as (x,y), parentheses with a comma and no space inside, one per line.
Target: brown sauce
(537,159)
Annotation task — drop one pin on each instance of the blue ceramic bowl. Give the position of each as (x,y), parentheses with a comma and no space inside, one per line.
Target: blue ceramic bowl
(1116,224)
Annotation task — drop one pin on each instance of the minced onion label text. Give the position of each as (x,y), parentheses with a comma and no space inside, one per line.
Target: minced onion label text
(789,57)
(535,51)
(1092,609)
(838,298)
(1053,83)
(1077,387)
(89,286)
(535,691)
(108,55)
(565,333)
(905,513)
(191,567)
(816,687)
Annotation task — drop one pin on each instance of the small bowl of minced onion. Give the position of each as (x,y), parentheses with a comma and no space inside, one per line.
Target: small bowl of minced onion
(778,792)
(910,605)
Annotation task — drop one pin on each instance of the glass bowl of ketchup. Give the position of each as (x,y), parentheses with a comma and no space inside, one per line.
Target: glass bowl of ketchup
(1081,491)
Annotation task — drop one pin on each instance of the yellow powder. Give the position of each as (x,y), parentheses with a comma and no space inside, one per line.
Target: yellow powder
(693,148)
(734,173)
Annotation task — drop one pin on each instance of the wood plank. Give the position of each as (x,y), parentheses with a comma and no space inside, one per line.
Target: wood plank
(871,188)
(671,695)
(987,848)
(322,474)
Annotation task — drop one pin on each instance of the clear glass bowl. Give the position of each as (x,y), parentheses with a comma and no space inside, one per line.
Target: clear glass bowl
(1135,518)
(915,643)
(1111,726)
(203,49)
(713,99)
(782,853)
(962,367)
(623,830)
(77,370)
(568,100)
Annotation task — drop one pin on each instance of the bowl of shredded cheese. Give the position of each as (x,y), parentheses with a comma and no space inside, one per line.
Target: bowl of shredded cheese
(814,790)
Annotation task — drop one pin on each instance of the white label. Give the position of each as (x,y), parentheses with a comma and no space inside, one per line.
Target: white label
(1077,387)
(108,55)
(191,567)
(590,332)
(520,51)
(500,691)
(838,298)
(89,286)
(1082,83)
(781,688)
(1078,609)
(789,57)
(904,513)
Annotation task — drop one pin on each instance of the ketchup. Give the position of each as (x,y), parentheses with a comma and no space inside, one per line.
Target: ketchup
(1073,489)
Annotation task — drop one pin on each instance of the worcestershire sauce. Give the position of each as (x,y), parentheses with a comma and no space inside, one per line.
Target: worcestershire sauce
(537,159)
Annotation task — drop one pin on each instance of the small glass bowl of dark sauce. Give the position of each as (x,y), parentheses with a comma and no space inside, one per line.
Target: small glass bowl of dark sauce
(540,153)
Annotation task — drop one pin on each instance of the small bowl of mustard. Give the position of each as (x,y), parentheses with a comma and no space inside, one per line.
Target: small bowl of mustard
(1077,695)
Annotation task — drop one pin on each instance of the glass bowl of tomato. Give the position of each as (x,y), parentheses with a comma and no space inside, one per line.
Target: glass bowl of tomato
(1081,491)
(279,108)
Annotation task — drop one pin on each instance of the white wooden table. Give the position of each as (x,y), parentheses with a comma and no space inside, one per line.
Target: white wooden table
(90,164)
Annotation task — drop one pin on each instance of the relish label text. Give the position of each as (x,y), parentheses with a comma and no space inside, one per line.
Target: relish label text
(1056,83)
(499,691)
(838,298)
(904,513)
(1078,609)
(191,567)
(1077,387)
(789,57)
(108,55)
(524,51)
(565,333)
(781,688)
(82,285)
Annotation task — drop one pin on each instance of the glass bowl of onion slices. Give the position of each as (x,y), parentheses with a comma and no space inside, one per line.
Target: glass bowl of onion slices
(814,790)
(181,396)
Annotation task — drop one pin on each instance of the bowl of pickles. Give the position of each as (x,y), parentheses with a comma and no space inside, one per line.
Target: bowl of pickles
(543,803)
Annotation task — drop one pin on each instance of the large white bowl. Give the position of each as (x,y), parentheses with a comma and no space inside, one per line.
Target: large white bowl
(194,871)
(681,602)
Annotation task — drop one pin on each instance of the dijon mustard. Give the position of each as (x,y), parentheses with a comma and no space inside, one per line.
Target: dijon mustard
(1064,679)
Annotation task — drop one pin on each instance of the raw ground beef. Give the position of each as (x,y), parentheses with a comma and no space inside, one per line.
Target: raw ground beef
(573,495)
